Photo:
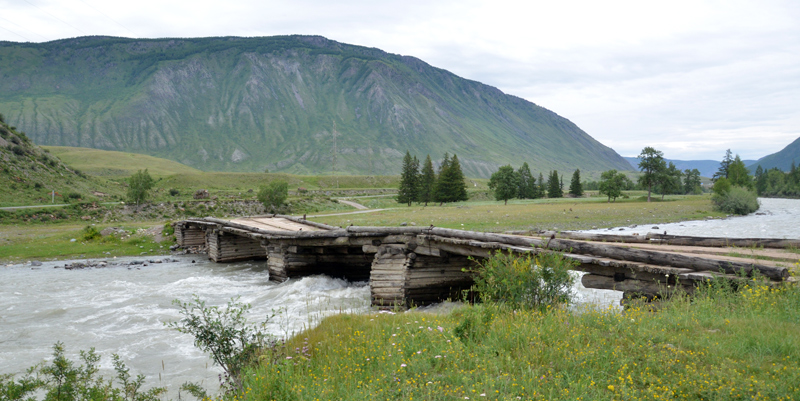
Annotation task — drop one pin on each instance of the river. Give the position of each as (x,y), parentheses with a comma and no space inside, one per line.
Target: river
(122,309)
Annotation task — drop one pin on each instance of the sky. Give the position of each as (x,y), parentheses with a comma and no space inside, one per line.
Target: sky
(689,78)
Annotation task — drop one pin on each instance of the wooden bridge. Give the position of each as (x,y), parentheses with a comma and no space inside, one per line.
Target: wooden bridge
(422,265)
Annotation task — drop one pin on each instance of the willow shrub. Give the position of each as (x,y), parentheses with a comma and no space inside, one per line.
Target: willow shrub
(525,282)
(737,200)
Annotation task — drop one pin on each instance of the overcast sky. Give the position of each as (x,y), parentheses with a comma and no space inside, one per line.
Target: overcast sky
(690,78)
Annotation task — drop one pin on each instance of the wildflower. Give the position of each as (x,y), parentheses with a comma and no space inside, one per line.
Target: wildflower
(441,329)
(438,356)
(402,365)
(611,387)
(288,357)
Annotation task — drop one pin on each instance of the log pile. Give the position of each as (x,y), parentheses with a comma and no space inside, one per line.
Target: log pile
(225,247)
(190,235)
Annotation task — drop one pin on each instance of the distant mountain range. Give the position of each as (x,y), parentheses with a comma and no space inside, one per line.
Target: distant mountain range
(782,160)
(707,168)
(297,104)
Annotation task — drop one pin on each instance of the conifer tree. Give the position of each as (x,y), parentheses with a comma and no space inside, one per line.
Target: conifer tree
(575,187)
(409,180)
(526,187)
(439,189)
(540,192)
(427,182)
(723,166)
(553,186)
(450,187)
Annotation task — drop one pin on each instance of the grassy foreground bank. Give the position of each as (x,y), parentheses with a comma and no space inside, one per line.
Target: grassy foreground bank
(719,346)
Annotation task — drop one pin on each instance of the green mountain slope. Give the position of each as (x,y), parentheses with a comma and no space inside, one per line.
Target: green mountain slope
(249,104)
(30,174)
(783,159)
(108,163)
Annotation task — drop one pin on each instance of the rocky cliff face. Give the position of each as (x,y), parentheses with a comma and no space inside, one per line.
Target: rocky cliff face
(249,104)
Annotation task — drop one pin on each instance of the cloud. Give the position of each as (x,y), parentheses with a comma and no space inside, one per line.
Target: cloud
(690,77)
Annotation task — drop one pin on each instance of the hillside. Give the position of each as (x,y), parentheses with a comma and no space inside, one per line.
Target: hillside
(29,174)
(782,160)
(250,104)
(106,163)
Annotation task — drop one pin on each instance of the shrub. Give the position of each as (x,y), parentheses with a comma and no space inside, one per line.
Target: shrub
(736,200)
(90,233)
(525,282)
(273,195)
(174,192)
(62,380)
(226,335)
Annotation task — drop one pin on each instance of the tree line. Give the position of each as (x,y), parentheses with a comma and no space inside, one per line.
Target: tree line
(776,183)
(426,185)
(507,183)
(659,176)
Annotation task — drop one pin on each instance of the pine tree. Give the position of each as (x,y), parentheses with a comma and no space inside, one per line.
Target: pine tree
(540,193)
(409,179)
(575,187)
(427,182)
(450,187)
(723,166)
(553,186)
(439,190)
(526,184)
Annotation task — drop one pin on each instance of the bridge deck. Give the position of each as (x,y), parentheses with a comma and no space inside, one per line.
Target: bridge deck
(418,265)
(274,223)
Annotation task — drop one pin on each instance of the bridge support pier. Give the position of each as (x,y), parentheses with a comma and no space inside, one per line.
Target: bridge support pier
(286,261)
(401,278)
(190,235)
(225,247)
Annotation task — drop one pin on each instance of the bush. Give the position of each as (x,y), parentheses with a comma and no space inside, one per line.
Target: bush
(273,195)
(61,380)
(736,200)
(226,335)
(525,282)
(90,233)
(174,192)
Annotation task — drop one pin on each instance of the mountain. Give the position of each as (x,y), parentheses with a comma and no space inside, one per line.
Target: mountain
(298,104)
(783,159)
(30,174)
(707,168)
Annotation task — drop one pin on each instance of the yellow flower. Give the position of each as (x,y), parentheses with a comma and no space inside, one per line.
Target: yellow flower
(611,387)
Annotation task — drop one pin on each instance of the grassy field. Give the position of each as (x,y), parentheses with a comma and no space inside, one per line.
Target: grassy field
(24,242)
(712,347)
(559,214)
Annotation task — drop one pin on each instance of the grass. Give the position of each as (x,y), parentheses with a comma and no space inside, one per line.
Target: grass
(559,214)
(23,242)
(712,347)
(96,162)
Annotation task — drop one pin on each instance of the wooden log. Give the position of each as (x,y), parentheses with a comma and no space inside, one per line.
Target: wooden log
(641,286)
(777,243)
(622,253)
(631,239)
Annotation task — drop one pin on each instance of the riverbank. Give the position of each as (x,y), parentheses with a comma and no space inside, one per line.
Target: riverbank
(713,347)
